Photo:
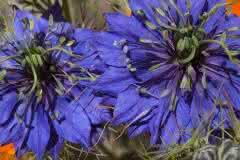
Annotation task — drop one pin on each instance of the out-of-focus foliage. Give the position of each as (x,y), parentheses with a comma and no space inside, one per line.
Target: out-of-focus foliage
(111,147)
(6,20)
(81,13)
(120,6)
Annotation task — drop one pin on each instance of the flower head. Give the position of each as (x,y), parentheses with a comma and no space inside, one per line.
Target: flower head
(46,71)
(171,64)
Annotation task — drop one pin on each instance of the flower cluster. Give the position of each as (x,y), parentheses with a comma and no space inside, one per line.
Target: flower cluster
(166,68)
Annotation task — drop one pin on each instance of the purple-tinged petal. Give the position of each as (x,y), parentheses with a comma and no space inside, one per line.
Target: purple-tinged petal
(39,135)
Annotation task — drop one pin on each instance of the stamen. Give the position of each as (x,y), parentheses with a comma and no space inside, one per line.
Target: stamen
(205,17)
(230,53)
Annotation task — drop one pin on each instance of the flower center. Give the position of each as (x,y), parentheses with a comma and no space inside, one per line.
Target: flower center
(187,44)
(33,63)
(38,68)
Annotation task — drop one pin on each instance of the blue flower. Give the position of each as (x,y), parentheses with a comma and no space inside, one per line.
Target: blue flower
(46,73)
(171,64)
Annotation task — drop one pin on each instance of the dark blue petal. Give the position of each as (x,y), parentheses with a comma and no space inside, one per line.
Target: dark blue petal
(232,94)
(92,105)
(197,9)
(146,6)
(40,133)
(212,3)
(7,104)
(75,125)
(155,123)
(215,20)
(127,27)
(82,35)
(110,54)
(114,80)
(54,152)
(134,131)
(11,133)
(131,110)
(182,110)
(170,131)
(40,25)
(182,4)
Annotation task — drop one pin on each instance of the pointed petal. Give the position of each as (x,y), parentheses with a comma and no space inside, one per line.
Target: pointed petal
(74,125)
(7,104)
(40,133)
(114,81)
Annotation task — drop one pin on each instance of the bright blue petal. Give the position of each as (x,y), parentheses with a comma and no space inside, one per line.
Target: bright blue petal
(75,125)
(146,6)
(128,27)
(129,110)
(40,25)
(54,152)
(155,123)
(170,131)
(110,53)
(40,133)
(198,7)
(7,104)
(182,110)
(215,20)
(182,4)
(114,80)
(134,131)
(93,107)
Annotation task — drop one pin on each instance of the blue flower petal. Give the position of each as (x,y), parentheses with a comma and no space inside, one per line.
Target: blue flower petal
(182,110)
(40,25)
(54,152)
(93,107)
(130,110)
(7,104)
(128,27)
(146,6)
(114,80)
(109,53)
(75,125)
(197,9)
(170,131)
(215,20)
(155,122)
(134,131)
(40,133)
(182,4)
